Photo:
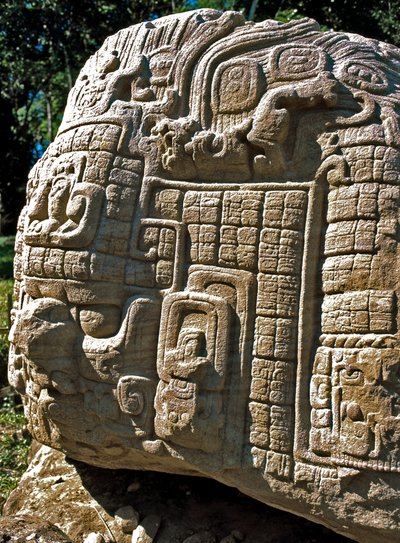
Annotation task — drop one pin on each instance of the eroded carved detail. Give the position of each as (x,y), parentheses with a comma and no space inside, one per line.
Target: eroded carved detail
(206,273)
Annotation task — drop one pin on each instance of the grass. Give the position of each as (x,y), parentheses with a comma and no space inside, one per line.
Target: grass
(14,446)
(14,439)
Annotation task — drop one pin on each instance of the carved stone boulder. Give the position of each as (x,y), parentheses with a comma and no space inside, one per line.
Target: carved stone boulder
(206,267)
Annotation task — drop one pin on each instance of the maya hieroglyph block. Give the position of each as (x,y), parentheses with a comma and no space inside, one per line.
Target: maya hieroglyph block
(206,265)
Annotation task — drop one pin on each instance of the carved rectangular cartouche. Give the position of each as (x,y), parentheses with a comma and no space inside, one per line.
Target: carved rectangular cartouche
(206,268)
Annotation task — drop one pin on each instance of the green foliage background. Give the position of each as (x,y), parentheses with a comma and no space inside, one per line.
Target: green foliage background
(14,445)
(44,43)
(14,439)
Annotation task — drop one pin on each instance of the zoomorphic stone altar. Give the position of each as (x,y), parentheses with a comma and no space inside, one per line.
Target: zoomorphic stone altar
(206,265)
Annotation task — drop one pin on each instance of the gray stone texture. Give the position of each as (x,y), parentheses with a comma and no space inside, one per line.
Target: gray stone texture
(206,269)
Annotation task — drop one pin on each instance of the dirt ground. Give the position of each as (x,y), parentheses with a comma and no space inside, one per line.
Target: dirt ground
(80,499)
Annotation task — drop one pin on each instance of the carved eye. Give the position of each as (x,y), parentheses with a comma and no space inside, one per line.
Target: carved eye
(294,62)
(364,76)
(52,312)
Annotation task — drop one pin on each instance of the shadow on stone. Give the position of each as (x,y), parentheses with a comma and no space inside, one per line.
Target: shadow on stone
(81,499)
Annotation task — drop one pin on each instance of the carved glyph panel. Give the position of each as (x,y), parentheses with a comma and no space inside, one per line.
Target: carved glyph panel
(206,267)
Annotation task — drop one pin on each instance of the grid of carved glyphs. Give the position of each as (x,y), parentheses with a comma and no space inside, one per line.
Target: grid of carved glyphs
(206,265)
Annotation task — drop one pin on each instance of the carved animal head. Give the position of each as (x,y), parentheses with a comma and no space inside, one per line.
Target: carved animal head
(205,270)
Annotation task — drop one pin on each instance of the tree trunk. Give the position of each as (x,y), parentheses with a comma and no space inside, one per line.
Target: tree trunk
(253,9)
(49,117)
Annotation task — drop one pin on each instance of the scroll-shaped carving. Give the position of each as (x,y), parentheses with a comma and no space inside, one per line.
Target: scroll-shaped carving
(206,268)
(135,398)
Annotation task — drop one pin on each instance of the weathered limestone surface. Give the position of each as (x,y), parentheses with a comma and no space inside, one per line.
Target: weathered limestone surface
(206,266)
(24,528)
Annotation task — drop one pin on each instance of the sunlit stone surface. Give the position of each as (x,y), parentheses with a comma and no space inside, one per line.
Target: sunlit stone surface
(206,266)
